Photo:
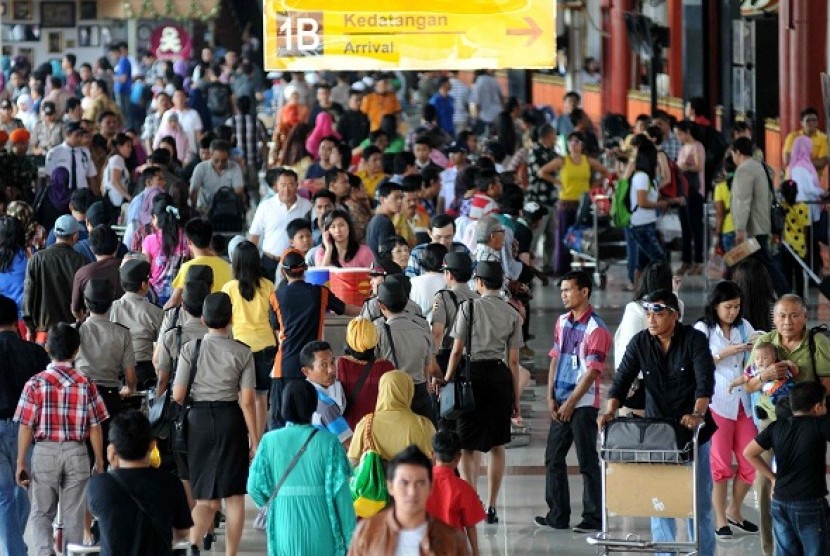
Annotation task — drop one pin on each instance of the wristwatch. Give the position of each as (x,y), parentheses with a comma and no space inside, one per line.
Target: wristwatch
(700,414)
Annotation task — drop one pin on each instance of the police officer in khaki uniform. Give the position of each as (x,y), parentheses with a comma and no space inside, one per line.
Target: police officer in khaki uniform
(381,271)
(142,318)
(106,352)
(496,330)
(170,341)
(407,344)
(458,269)
(222,430)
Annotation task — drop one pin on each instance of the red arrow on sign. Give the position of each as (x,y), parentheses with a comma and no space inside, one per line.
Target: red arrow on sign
(533,33)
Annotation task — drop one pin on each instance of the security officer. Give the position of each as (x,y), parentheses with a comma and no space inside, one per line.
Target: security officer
(407,344)
(106,352)
(142,318)
(458,269)
(170,341)
(222,420)
(382,270)
(174,316)
(496,330)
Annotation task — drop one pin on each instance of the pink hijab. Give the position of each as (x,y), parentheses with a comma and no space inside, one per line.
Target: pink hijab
(323,127)
(801,156)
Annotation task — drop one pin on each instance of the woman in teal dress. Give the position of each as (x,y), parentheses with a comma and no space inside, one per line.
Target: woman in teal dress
(313,512)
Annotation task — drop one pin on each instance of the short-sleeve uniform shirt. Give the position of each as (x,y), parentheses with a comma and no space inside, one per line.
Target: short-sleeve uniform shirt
(225,367)
(497,327)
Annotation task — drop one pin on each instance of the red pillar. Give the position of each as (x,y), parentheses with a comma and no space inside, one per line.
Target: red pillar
(784,103)
(618,62)
(815,54)
(675,19)
(799,40)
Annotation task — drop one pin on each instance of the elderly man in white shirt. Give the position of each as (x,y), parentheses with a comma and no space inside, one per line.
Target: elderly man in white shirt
(272,217)
(189,119)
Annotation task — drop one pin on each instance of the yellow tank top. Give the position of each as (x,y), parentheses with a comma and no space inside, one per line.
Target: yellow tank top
(576,179)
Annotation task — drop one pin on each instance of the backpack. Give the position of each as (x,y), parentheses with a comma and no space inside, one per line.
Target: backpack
(218,99)
(678,185)
(621,204)
(226,211)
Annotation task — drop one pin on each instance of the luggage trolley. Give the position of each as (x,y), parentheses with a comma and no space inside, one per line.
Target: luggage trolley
(647,482)
(593,242)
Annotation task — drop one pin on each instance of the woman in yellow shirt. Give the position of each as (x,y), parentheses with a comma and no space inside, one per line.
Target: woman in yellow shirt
(575,170)
(249,293)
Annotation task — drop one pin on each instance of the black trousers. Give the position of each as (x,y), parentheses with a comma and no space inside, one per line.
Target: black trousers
(146,373)
(764,256)
(691,226)
(582,431)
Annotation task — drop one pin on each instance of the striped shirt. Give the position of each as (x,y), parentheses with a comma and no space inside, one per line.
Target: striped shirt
(329,414)
(580,347)
(60,405)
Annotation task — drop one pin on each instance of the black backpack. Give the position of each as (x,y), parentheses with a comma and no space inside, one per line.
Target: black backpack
(218,100)
(227,214)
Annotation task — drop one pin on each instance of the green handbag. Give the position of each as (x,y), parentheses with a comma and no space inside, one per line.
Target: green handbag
(368,484)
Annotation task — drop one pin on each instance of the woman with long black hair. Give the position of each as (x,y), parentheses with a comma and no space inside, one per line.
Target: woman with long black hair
(645,202)
(340,245)
(249,292)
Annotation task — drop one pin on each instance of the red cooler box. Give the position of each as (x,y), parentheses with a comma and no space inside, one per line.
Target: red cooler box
(351,285)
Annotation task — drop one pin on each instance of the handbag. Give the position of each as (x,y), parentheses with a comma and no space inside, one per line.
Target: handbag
(457,396)
(261,518)
(368,483)
(641,440)
(178,431)
(161,408)
(777,215)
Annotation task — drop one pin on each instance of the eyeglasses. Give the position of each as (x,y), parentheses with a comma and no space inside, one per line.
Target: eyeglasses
(657,308)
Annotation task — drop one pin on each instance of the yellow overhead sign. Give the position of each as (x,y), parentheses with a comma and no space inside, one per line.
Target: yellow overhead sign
(308,35)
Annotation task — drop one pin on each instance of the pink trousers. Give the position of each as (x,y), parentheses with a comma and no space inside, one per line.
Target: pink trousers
(732,437)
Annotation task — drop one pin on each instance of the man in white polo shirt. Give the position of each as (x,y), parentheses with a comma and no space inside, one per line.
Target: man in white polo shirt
(74,157)
(272,217)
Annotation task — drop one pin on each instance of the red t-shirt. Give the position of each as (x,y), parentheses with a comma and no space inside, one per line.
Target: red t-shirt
(348,373)
(453,500)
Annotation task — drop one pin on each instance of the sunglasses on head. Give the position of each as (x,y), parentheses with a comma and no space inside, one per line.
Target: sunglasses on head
(657,307)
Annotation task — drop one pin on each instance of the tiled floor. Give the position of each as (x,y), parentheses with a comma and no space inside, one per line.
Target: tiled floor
(522,494)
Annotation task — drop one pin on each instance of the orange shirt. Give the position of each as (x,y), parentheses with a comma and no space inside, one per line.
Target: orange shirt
(376,106)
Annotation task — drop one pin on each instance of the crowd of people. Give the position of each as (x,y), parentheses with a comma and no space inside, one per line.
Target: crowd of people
(120,191)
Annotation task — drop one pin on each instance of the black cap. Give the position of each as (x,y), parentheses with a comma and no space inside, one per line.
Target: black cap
(293,260)
(98,290)
(135,271)
(193,296)
(200,273)
(460,262)
(490,270)
(456,148)
(48,107)
(98,214)
(217,307)
(392,293)
(72,127)
(385,267)
(6,103)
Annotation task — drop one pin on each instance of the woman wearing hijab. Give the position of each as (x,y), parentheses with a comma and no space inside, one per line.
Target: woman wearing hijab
(359,371)
(323,127)
(313,512)
(394,426)
(803,173)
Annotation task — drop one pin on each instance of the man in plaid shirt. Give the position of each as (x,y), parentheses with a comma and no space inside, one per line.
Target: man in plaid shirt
(59,409)
(251,138)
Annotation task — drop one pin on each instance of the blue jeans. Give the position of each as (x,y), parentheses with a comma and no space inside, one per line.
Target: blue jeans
(664,529)
(727,241)
(14,501)
(800,528)
(649,247)
(632,251)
